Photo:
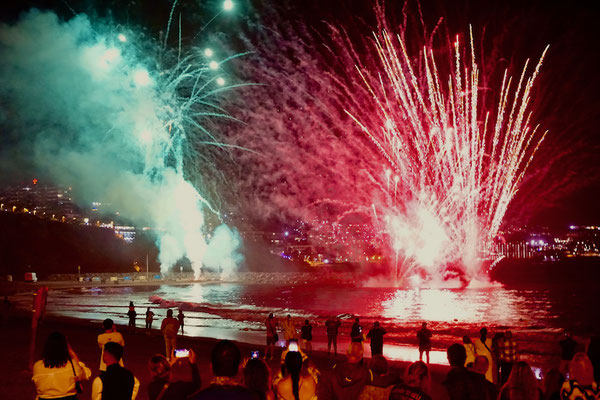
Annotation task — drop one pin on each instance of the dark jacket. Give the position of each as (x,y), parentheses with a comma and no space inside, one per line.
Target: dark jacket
(307,332)
(117,383)
(345,381)
(376,336)
(463,384)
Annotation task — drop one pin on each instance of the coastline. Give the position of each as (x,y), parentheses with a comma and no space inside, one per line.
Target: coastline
(15,378)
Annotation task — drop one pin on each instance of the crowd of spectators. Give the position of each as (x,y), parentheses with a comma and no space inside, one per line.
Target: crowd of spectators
(488,369)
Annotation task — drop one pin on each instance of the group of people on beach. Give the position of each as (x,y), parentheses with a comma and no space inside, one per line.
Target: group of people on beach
(485,368)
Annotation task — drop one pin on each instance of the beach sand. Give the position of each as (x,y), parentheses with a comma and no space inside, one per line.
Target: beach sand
(15,334)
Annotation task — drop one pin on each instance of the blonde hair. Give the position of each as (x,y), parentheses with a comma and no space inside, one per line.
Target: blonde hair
(521,384)
(581,369)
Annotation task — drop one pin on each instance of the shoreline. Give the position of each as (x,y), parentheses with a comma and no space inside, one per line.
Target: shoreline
(139,347)
(537,347)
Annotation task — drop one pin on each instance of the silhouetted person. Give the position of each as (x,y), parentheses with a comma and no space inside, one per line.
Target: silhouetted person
(521,384)
(376,335)
(333,324)
(180,318)
(149,319)
(460,383)
(169,329)
(306,333)
(567,347)
(424,337)
(225,361)
(483,347)
(347,379)
(272,336)
(356,333)
(416,386)
(131,314)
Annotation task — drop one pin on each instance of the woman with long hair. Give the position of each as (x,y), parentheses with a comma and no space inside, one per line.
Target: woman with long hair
(257,377)
(295,385)
(56,375)
(581,384)
(521,384)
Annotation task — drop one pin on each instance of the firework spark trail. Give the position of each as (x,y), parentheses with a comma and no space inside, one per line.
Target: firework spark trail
(120,118)
(462,175)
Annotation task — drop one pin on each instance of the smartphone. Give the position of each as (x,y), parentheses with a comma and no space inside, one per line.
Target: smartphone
(254,354)
(181,353)
(293,346)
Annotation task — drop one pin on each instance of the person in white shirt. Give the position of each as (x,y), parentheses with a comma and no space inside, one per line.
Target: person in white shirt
(110,335)
(56,374)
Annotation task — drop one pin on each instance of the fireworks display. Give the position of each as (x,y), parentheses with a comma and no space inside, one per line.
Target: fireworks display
(449,176)
(415,137)
(125,120)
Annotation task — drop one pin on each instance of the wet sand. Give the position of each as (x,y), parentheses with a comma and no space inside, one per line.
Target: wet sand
(15,378)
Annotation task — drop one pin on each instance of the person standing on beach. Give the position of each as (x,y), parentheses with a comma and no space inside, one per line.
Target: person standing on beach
(483,347)
(507,356)
(424,337)
(180,318)
(116,382)
(567,347)
(289,329)
(149,319)
(110,335)
(169,329)
(332,324)
(376,335)
(131,314)
(272,337)
(356,334)
(306,334)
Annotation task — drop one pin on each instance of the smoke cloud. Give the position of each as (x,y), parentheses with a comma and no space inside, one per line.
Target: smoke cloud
(95,107)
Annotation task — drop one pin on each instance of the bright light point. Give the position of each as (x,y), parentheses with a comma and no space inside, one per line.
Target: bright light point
(389,124)
(208,52)
(141,77)
(220,81)
(228,5)
(213,65)
(121,37)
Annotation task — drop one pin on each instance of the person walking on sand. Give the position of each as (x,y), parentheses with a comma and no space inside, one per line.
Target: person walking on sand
(149,319)
(180,318)
(110,335)
(272,337)
(424,337)
(169,329)
(131,314)
(332,324)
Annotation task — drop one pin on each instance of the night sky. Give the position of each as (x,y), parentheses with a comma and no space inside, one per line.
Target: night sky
(565,183)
